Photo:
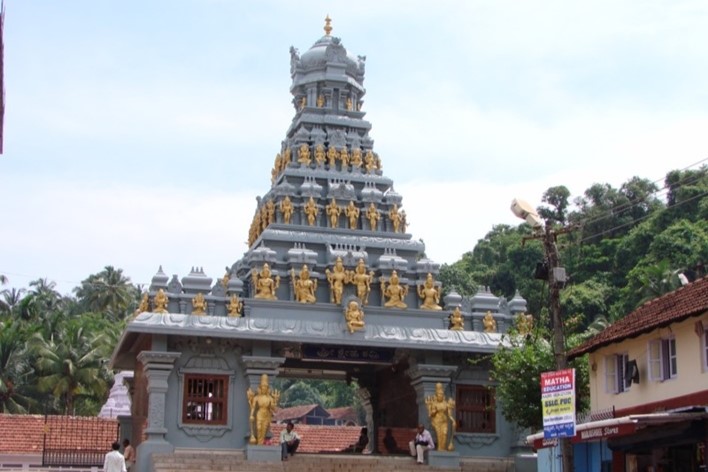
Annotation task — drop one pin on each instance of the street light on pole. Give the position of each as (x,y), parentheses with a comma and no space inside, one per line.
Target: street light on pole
(556,279)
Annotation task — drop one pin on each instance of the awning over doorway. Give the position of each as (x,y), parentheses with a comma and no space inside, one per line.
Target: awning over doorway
(616,427)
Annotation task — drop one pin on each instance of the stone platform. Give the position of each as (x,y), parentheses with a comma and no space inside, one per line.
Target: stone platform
(235,461)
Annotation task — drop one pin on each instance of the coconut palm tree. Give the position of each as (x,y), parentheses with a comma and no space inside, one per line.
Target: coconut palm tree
(14,369)
(10,299)
(71,364)
(108,292)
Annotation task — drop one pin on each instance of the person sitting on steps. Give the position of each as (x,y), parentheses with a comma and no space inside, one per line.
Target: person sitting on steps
(423,441)
(361,443)
(289,441)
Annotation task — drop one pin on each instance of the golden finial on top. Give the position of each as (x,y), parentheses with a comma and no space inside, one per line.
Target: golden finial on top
(328,26)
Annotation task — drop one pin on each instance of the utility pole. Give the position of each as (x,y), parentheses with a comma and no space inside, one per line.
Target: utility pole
(556,278)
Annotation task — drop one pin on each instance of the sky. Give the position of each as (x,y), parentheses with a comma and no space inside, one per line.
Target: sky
(139,133)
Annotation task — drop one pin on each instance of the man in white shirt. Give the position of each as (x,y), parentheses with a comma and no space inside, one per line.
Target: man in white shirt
(128,454)
(114,461)
(423,441)
(289,441)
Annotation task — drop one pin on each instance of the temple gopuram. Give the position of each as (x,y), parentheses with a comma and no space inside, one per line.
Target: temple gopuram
(332,286)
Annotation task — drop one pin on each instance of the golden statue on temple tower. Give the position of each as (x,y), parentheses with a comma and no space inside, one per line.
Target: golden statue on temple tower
(303,154)
(457,322)
(304,287)
(159,303)
(337,277)
(264,284)
(286,208)
(354,316)
(311,211)
(373,215)
(430,294)
(524,323)
(395,218)
(333,211)
(199,304)
(352,213)
(490,324)
(394,291)
(369,161)
(332,156)
(234,307)
(356,159)
(320,155)
(362,281)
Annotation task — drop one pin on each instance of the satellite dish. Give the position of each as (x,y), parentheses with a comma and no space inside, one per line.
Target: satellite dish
(526,212)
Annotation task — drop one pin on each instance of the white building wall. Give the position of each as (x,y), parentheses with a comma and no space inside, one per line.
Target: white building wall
(692,375)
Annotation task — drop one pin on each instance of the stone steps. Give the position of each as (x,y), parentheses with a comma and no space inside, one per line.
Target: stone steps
(235,461)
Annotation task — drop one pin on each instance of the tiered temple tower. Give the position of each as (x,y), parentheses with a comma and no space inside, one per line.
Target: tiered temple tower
(329,198)
(332,286)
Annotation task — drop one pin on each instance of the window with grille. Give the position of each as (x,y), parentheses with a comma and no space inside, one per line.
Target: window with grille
(663,364)
(475,409)
(205,399)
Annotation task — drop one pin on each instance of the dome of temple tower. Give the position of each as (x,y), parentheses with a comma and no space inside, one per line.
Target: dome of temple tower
(312,64)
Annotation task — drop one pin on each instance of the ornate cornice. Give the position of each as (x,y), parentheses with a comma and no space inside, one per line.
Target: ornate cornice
(304,330)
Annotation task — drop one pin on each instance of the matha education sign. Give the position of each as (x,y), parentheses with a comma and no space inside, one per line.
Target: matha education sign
(558,403)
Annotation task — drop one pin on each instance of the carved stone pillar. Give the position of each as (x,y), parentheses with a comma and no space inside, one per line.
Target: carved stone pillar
(365,398)
(255,366)
(157,366)
(423,379)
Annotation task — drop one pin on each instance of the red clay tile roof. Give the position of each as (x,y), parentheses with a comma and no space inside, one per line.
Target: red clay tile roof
(346,414)
(689,300)
(284,414)
(24,434)
(320,438)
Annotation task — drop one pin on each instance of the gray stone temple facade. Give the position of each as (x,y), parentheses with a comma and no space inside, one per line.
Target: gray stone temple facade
(332,287)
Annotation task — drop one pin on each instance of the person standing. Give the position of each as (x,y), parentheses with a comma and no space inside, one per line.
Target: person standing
(114,461)
(289,441)
(423,441)
(128,454)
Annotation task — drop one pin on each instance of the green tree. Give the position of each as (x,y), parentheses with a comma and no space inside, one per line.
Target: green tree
(71,365)
(15,372)
(516,369)
(558,200)
(300,393)
(108,292)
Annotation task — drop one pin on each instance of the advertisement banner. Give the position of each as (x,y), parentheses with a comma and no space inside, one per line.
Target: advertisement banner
(558,403)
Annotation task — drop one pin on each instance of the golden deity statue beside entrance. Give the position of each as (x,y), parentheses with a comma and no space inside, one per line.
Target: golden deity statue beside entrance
(262,405)
(442,414)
